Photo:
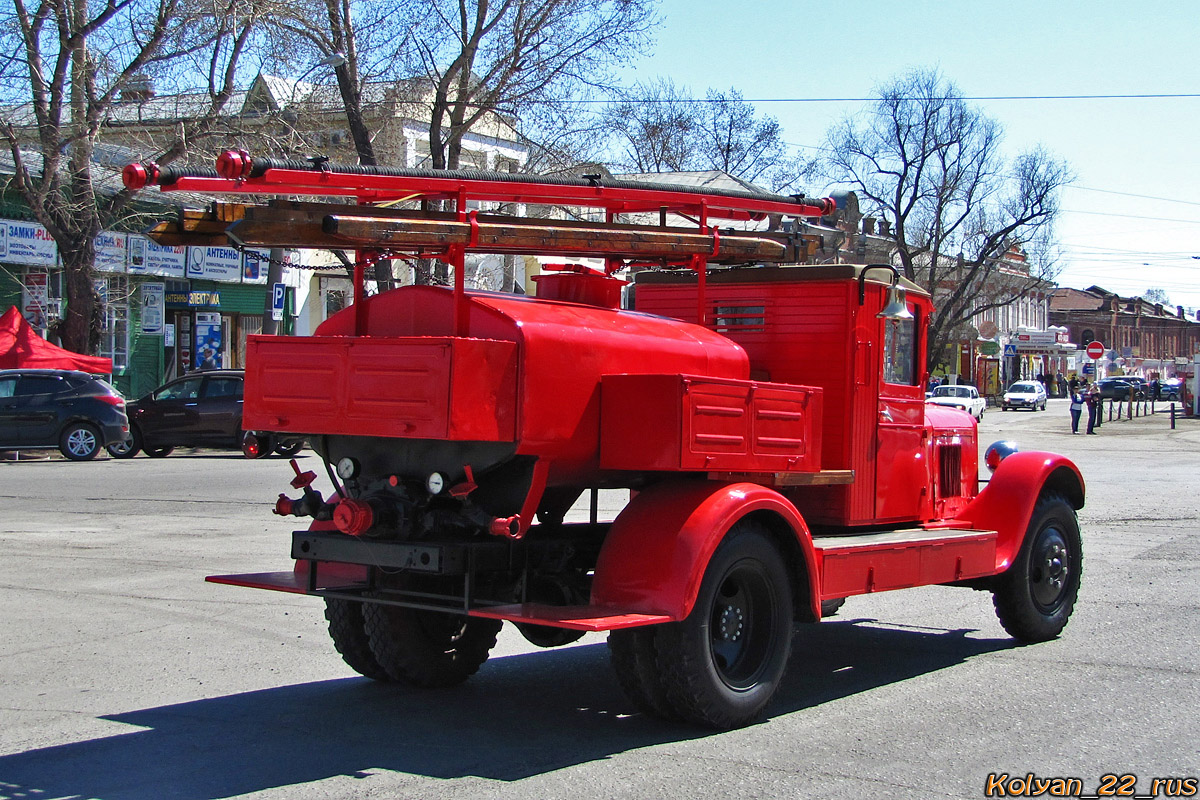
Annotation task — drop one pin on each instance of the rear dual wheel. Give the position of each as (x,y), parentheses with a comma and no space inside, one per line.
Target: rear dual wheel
(423,648)
(721,665)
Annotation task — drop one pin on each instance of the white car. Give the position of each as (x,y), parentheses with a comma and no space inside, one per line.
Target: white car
(963,397)
(1025,394)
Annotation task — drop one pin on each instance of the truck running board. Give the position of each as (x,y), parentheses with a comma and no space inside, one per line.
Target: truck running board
(877,562)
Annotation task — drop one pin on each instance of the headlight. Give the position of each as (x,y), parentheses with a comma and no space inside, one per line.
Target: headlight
(997,452)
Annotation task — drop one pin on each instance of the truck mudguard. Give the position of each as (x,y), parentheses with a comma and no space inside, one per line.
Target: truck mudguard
(656,552)
(1006,503)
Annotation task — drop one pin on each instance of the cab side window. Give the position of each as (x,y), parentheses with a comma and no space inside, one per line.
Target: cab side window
(899,351)
(8,387)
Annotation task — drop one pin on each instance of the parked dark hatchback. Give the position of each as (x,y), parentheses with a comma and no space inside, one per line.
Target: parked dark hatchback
(1117,388)
(76,412)
(202,409)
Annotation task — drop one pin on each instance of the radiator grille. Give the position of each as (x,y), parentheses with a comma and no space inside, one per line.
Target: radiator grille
(950,470)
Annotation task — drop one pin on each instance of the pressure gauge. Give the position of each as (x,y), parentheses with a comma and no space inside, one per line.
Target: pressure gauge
(347,468)
(435,483)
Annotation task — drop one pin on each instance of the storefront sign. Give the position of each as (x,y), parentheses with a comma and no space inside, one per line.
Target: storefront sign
(153,308)
(35,299)
(148,258)
(215,264)
(111,251)
(193,299)
(255,266)
(27,243)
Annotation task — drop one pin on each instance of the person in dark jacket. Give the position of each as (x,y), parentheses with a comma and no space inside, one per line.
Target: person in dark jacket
(1094,407)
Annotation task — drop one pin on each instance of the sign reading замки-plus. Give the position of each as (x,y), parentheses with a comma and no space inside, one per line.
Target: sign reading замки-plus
(27,243)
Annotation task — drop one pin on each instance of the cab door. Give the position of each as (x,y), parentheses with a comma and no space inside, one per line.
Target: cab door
(903,476)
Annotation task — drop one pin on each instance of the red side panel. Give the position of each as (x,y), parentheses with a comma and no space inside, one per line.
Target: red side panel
(417,387)
(691,423)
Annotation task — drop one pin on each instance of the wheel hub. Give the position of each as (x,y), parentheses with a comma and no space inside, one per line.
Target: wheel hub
(731,624)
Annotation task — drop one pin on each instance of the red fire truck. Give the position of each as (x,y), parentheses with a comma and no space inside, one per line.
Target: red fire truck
(766,415)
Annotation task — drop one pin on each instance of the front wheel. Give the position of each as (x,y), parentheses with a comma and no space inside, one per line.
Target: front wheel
(1035,596)
(79,442)
(721,665)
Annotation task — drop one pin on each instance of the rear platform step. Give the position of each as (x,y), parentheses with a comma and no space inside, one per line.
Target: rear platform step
(577,618)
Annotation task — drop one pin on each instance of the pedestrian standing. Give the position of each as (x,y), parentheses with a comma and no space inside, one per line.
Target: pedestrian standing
(1093,407)
(1076,410)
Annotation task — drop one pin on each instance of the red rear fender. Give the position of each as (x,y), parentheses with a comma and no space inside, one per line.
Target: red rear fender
(656,552)
(1006,503)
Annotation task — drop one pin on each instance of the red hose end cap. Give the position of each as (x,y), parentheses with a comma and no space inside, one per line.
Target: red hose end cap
(353,516)
(233,164)
(509,527)
(283,506)
(135,176)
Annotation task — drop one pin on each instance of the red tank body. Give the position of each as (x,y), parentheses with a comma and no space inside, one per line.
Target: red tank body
(540,363)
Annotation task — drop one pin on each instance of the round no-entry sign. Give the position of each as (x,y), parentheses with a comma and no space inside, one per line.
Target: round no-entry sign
(1095,349)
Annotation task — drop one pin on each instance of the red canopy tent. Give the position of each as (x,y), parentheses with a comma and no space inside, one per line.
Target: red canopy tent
(21,347)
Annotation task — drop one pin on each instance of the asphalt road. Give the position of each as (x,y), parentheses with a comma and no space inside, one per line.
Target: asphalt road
(124,676)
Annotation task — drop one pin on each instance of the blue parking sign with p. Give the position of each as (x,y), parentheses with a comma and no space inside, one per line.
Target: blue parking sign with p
(278,295)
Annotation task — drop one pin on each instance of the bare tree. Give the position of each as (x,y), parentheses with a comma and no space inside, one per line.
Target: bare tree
(972,227)
(661,127)
(79,71)
(504,57)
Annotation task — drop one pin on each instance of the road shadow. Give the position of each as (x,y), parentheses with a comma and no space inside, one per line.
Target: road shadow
(523,715)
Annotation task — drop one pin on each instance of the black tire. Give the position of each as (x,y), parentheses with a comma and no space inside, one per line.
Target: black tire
(79,442)
(290,449)
(431,649)
(1035,596)
(128,448)
(722,664)
(831,607)
(634,658)
(348,631)
(980,417)
(158,452)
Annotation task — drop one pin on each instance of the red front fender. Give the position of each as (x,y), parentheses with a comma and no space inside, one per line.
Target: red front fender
(655,554)
(1006,503)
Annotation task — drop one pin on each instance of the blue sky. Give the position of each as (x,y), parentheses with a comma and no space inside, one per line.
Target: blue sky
(1123,151)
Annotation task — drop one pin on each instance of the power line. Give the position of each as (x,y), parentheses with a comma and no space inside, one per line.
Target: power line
(1131,194)
(975,98)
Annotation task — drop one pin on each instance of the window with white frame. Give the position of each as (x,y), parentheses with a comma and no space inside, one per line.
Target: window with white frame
(114,339)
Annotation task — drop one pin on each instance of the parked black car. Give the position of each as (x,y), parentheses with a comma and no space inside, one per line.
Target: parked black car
(76,412)
(202,409)
(1117,388)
